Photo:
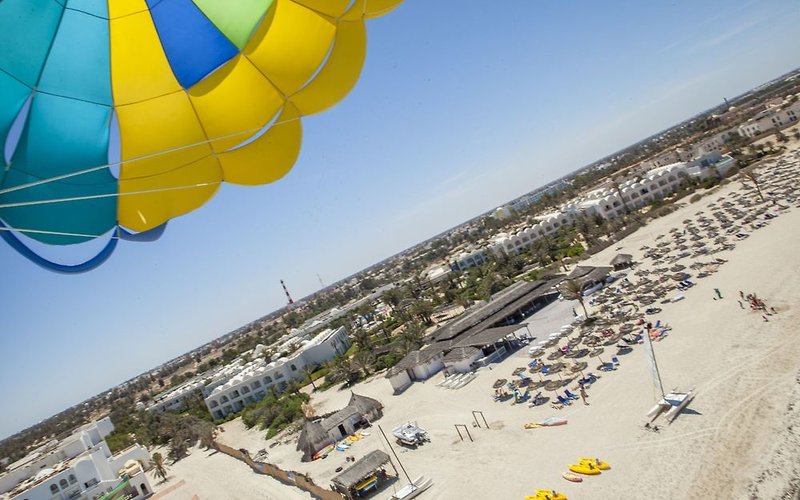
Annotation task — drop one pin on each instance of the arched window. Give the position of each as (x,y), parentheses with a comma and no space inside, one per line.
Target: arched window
(72,479)
(53,489)
(224,399)
(214,404)
(64,484)
(267,379)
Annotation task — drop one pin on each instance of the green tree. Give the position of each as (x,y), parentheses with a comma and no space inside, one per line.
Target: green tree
(750,176)
(423,310)
(393,297)
(309,371)
(159,466)
(361,338)
(363,361)
(573,290)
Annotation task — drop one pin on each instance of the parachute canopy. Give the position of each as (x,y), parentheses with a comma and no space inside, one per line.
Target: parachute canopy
(127,113)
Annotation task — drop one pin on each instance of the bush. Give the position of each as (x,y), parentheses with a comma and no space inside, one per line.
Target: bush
(386,361)
(695,198)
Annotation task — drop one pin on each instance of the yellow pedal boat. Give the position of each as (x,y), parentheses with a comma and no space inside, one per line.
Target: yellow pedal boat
(588,469)
(596,462)
(547,495)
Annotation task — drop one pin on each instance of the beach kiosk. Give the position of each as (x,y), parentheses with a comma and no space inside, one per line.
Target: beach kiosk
(364,477)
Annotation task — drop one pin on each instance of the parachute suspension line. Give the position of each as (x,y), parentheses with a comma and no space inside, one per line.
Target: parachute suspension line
(105,195)
(54,233)
(142,157)
(37,259)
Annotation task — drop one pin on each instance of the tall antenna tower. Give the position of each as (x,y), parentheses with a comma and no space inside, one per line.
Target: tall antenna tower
(320,281)
(286,291)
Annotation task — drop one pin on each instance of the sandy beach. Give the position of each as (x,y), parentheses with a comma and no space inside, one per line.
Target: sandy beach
(737,439)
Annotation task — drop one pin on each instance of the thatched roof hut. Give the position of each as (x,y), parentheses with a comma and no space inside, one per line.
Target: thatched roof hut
(621,261)
(313,438)
(368,407)
(363,468)
(318,434)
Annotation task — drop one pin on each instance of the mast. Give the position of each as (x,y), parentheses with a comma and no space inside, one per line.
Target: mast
(651,354)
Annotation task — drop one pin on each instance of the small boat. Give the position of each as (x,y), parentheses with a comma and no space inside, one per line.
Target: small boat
(596,462)
(586,469)
(412,489)
(569,476)
(410,434)
(671,405)
(547,495)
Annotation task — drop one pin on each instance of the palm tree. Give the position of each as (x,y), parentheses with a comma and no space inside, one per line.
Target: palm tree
(410,339)
(423,310)
(309,370)
(573,290)
(206,432)
(362,339)
(392,297)
(340,370)
(159,466)
(363,360)
(750,175)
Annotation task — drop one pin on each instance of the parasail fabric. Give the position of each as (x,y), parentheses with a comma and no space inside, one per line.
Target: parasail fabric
(127,113)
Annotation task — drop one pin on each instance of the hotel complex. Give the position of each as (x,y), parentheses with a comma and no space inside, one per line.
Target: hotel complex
(609,203)
(78,467)
(253,380)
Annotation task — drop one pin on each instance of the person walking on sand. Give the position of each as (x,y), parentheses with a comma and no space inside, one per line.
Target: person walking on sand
(741,294)
(584,396)
(740,304)
(719,294)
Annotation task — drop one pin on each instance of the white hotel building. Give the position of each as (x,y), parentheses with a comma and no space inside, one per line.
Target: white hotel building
(78,467)
(252,381)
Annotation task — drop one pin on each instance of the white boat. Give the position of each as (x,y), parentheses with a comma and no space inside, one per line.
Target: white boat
(412,489)
(410,434)
(671,405)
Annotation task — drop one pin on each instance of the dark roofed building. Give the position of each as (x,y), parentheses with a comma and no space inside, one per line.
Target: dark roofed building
(589,276)
(483,327)
(622,261)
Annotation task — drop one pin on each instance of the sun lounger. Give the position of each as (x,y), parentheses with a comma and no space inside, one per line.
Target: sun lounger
(570,395)
(615,361)
(564,401)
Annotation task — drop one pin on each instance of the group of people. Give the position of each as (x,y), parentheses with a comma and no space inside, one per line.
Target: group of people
(756,304)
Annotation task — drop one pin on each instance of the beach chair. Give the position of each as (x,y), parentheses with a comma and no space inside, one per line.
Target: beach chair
(564,401)
(570,395)
(615,361)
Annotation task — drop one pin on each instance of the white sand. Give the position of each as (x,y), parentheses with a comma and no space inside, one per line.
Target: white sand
(211,475)
(735,442)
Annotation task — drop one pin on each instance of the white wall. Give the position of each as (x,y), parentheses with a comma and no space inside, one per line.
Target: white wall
(424,371)
(400,381)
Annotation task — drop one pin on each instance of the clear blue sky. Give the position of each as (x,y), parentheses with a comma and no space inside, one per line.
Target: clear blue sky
(461,106)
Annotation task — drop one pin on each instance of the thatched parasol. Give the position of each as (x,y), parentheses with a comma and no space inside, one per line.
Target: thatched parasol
(578,367)
(555,355)
(517,371)
(596,352)
(499,383)
(554,385)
